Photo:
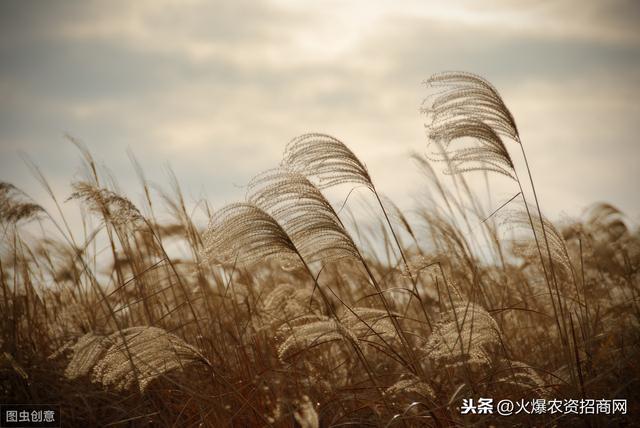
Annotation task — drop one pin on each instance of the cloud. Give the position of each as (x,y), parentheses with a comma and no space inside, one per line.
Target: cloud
(218,88)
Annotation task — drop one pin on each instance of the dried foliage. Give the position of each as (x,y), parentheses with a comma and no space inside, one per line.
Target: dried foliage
(311,334)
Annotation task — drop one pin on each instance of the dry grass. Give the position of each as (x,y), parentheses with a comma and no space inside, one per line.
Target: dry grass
(275,315)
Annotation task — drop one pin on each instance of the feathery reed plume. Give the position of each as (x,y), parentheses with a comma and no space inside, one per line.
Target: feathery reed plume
(463,335)
(468,98)
(412,385)
(302,337)
(352,325)
(152,351)
(113,207)
(603,218)
(468,119)
(304,213)
(309,220)
(332,162)
(488,153)
(523,376)
(12,209)
(557,245)
(242,233)
(288,303)
(325,158)
(87,351)
(603,213)
(366,323)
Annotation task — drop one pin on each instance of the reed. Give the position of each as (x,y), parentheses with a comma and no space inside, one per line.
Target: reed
(274,315)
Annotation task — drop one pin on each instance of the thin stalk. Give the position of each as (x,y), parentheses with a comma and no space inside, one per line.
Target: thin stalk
(355,346)
(542,263)
(404,260)
(546,241)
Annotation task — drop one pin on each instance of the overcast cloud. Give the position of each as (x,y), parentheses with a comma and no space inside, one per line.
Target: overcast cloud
(216,89)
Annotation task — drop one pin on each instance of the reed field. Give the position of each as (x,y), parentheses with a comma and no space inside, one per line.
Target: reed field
(286,309)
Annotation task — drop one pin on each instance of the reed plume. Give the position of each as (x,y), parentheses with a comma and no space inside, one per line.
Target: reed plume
(12,208)
(114,208)
(292,305)
(304,213)
(523,377)
(488,153)
(352,325)
(464,335)
(306,336)
(411,385)
(326,159)
(133,356)
(331,162)
(287,299)
(603,213)
(468,98)
(603,218)
(243,234)
(559,255)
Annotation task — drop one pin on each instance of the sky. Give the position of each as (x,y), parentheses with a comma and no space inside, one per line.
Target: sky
(217,89)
